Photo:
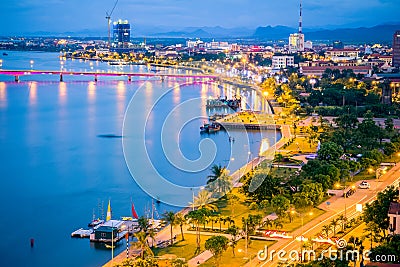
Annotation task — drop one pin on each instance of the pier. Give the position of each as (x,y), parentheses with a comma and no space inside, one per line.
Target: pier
(249,120)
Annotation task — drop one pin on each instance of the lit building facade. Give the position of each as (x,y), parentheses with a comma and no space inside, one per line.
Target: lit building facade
(121,34)
(279,62)
(396,49)
(296,40)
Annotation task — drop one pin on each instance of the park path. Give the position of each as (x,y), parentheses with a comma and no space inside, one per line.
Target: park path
(164,234)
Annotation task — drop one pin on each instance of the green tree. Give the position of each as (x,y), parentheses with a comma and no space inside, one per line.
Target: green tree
(144,224)
(169,217)
(217,245)
(197,217)
(314,192)
(334,224)
(142,244)
(326,229)
(234,232)
(280,204)
(269,186)
(181,221)
(216,172)
(249,226)
(330,151)
(376,213)
(204,200)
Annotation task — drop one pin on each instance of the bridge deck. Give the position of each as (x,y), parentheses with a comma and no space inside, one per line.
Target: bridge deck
(93,73)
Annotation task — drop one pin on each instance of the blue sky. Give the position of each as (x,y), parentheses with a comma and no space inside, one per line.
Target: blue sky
(74,15)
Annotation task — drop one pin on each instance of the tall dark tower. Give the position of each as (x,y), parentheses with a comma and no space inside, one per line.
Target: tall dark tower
(396,49)
(301,19)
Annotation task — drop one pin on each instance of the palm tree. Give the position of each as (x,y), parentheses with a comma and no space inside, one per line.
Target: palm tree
(169,217)
(197,217)
(204,200)
(334,224)
(151,232)
(229,220)
(216,171)
(181,221)
(342,220)
(142,243)
(211,219)
(220,182)
(267,223)
(326,230)
(234,232)
(232,200)
(278,224)
(144,224)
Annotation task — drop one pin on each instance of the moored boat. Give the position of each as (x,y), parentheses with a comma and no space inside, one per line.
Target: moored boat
(204,128)
(214,127)
(95,222)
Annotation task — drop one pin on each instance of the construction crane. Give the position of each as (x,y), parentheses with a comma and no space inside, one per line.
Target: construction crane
(108,17)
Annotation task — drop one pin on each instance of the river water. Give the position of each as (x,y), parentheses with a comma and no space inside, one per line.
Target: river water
(58,163)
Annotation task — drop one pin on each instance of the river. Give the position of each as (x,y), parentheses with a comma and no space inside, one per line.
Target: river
(58,163)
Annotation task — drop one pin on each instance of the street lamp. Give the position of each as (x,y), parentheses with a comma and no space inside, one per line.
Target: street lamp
(302,215)
(337,185)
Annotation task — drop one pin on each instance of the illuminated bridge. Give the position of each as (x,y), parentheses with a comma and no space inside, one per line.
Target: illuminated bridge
(95,75)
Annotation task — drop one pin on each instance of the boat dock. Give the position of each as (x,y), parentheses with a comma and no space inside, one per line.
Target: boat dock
(249,120)
(82,233)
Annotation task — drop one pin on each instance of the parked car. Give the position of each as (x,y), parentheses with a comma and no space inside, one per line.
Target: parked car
(364,185)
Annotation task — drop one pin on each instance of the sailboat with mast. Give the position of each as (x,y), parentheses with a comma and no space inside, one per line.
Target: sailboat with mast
(97,221)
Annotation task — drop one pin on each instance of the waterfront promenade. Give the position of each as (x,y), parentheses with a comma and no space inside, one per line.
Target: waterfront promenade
(164,234)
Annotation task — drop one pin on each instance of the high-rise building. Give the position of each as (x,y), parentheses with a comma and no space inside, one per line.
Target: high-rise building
(338,45)
(396,49)
(296,40)
(121,33)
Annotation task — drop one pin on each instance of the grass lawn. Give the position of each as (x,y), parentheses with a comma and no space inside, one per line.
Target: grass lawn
(296,222)
(301,145)
(364,175)
(182,249)
(282,172)
(228,260)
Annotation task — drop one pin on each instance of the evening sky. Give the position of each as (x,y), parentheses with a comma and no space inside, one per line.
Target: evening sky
(22,16)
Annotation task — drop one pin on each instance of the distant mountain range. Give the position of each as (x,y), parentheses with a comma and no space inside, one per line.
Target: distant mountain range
(379,33)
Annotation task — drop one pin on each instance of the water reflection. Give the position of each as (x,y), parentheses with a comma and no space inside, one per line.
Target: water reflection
(3,95)
(121,94)
(62,93)
(32,93)
(176,94)
(91,90)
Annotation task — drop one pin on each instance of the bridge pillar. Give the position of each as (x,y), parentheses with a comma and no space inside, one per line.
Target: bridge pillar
(16,78)
(95,78)
(61,77)
(129,78)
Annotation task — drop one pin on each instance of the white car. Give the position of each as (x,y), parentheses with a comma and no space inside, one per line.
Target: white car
(364,185)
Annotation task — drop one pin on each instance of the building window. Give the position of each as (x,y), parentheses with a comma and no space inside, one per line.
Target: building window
(103,234)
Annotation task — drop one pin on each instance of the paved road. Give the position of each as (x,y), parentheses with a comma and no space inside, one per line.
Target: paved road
(337,206)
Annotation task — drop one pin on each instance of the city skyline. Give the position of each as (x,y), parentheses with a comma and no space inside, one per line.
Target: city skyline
(62,16)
